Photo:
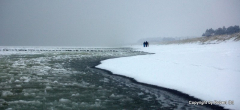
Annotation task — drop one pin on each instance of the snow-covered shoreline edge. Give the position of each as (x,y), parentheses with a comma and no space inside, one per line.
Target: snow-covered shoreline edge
(114,66)
(171,91)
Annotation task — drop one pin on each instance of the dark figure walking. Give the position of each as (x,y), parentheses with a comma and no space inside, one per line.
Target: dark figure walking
(145,44)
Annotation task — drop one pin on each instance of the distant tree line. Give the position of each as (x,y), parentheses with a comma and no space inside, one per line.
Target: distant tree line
(221,31)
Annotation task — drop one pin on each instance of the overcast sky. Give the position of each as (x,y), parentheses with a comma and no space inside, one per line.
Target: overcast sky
(109,22)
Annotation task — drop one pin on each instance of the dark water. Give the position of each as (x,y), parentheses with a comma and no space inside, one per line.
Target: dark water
(69,81)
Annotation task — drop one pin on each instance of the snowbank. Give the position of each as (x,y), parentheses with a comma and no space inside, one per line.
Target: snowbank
(209,72)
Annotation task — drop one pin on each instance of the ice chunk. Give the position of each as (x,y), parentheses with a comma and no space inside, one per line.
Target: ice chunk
(140,93)
(40,74)
(97,104)
(62,100)
(18,85)
(75,94)
(6,93)
(115,96)
(25,78)
(83,103)
(105,80)
(112,95)
(17,81)
(26,94)
(48,88)
(24,102)
(47,67)
(75,72)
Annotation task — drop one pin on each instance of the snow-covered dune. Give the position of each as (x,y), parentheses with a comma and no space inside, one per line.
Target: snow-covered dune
(209,72)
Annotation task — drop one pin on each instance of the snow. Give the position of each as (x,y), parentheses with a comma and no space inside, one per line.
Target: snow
(210,72)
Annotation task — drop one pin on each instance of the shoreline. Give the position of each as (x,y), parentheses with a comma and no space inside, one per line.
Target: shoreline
(172,91)
(81,76)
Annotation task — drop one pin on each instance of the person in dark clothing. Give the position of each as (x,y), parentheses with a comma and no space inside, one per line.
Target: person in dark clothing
(146,44)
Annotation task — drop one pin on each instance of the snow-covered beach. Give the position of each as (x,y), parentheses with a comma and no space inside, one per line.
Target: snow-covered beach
(67,79)
(209,72)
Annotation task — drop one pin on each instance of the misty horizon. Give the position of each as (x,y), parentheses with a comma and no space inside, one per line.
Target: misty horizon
(109,23)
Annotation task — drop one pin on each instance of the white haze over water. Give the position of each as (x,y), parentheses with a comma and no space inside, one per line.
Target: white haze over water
(107,22)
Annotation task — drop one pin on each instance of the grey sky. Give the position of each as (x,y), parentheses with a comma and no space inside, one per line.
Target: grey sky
(109,22)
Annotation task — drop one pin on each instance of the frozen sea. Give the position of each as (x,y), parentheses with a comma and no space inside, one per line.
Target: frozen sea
(52,79)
